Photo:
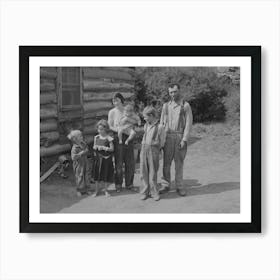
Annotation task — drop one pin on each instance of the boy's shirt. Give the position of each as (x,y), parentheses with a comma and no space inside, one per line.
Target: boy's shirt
(154,134)
(76,149)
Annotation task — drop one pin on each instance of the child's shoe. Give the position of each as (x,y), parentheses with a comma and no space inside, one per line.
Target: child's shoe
(126,142)
(144,196)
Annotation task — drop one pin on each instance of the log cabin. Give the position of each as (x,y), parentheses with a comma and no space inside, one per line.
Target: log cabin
(76,98)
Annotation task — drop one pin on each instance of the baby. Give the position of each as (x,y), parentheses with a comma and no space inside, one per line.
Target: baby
(127,124)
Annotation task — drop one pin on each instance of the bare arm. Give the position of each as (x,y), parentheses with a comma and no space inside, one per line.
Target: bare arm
(111,121)
(162,136)
(189,121)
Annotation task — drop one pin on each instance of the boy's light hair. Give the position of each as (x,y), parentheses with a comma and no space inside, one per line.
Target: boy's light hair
(74,134)
(150,111)
(104,124)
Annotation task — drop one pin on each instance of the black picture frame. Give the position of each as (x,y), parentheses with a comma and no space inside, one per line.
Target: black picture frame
(25,52)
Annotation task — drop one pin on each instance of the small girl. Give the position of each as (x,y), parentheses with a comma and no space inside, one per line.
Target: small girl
(103,169)
(81,166)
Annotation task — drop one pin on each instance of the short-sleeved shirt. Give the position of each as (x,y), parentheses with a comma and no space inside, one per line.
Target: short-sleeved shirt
(154,134)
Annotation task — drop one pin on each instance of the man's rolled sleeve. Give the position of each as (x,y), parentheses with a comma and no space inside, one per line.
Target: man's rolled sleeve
(189,121)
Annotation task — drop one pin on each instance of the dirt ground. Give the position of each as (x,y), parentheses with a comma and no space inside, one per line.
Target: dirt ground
(211,177)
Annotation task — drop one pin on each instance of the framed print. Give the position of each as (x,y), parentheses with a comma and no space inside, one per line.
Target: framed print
(140,138)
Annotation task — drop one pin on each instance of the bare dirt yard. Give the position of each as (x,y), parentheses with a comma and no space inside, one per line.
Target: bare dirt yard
(211,177)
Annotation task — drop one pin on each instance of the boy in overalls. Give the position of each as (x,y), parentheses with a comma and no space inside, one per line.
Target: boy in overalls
(152,144)
(177,119)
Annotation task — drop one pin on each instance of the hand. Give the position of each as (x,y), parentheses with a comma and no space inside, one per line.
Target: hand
(182,144)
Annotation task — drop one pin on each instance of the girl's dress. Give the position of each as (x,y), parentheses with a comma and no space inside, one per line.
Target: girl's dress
(103,168)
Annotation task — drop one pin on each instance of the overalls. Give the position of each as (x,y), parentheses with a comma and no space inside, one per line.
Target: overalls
(149,162)
(172,151)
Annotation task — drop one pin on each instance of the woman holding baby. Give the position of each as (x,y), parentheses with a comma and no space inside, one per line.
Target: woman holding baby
(123,144)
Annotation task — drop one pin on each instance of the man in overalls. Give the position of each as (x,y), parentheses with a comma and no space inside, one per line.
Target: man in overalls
(177,119)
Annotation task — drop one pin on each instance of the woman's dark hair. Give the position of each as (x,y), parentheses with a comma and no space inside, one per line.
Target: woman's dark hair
(118,95)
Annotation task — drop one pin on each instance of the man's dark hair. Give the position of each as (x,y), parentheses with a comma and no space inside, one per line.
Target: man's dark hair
(118,95)
(173,85)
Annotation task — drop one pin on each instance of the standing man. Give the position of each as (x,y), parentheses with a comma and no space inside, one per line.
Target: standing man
(177,119)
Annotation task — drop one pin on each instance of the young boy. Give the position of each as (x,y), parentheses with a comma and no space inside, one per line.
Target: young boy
(152,144)
(127,124)
(81,165)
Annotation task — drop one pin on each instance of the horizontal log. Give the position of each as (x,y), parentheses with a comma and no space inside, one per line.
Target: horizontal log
(49,69)
(101,86)
(90,122)
(48,111)
(90,130)
(97,105)
(47,86)
(52,136)
(48,125)
(121,69)
(100,113)
(88,96)
(54,150)
(45,72)
(93,72)
(48,97)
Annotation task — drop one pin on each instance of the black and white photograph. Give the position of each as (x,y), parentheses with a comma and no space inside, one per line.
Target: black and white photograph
(140,139)
(133,135)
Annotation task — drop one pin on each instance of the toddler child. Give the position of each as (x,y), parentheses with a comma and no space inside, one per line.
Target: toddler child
(81,166)
(128,123)
(103,169)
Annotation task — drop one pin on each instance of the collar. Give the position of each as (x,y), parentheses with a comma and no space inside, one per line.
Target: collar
(176,104)
(152,124)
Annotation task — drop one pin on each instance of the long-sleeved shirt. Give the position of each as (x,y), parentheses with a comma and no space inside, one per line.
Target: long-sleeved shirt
(177,117)
(154,134)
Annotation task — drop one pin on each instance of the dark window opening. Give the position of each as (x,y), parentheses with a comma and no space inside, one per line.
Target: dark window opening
(70,87)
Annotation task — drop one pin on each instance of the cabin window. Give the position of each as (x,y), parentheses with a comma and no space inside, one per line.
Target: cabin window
(70,88)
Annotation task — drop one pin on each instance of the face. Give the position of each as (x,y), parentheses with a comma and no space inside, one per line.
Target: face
(174,92)
(148,118)
(101,130)
(117,102)
(79,139)
(127,112)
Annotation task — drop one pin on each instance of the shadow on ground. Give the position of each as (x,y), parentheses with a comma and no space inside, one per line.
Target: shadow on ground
(194,188)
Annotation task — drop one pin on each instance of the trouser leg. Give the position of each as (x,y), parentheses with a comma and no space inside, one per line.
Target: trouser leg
(118,163)
(144,171)
(129,162)
(153,162)
(79,176)
(168,155)
(87,173)
(179,157)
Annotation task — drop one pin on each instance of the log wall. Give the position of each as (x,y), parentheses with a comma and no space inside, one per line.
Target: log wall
(49,134)
(98,85)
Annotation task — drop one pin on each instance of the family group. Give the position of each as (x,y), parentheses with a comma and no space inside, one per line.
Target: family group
(113,148)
